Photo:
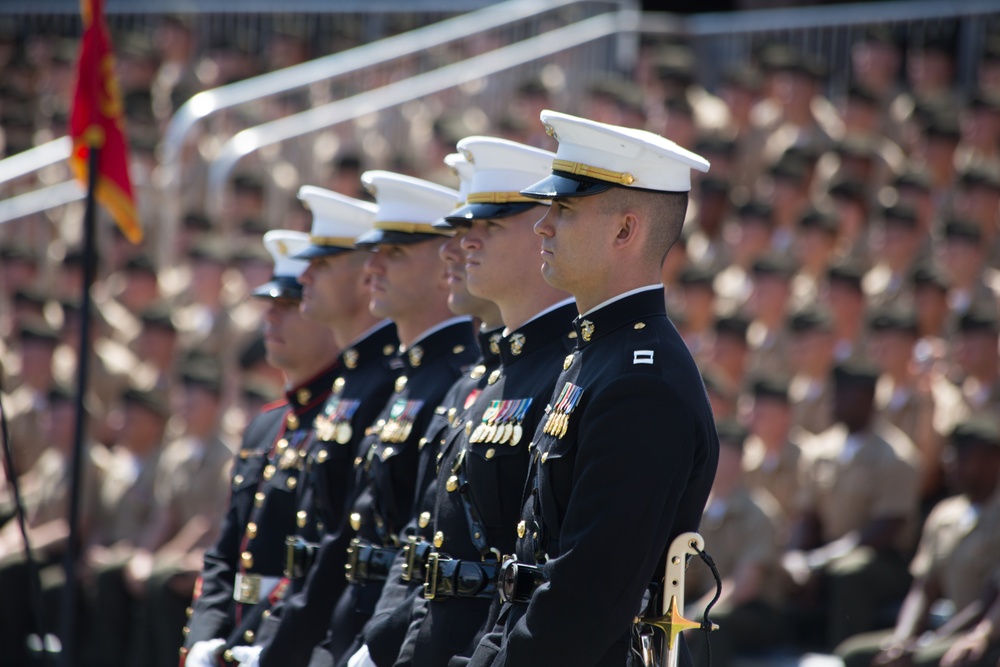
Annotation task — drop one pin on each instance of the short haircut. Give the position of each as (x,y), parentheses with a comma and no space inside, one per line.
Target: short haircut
(665,210)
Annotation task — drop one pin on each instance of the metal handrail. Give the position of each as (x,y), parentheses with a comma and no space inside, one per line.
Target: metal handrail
(449,76)
(40,200)
(34,159)
(695,25)
(337,64)
(321,69)
(206,103)
(830,16)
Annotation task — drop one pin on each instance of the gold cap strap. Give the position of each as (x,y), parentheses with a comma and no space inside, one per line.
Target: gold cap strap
(499,198)
(413,228)
(578,169)
(338,241)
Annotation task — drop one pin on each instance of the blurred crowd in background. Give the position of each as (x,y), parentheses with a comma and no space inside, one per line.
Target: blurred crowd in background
(850,232)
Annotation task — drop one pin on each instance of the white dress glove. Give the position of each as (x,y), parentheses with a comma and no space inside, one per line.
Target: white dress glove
(361,659)
(202,654)
(248,656)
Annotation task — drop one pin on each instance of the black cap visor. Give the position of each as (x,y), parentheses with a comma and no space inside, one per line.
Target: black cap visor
(279,287)
(314,251)
(560,184)
(470,212)
(385,237)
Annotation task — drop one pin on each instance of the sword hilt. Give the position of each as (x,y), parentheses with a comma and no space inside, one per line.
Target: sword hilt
(671,622)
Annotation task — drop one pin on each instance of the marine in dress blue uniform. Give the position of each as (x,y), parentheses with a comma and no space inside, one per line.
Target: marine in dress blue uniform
(482,467)
(401,599)
(243,571)
(360,389)
(624,459)
(435,350)
(383,634)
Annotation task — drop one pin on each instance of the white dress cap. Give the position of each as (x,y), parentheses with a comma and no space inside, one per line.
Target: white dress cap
(337,221)
(502,169)
(283,246)
(593,157)
(462,169)
(407,208)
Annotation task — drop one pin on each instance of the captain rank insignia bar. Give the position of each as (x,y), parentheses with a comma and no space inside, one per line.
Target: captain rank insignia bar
(335,424)
(401,417)
(558,421)
(501,423)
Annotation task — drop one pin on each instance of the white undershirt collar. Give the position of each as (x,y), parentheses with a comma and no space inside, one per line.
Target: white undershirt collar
(621,296)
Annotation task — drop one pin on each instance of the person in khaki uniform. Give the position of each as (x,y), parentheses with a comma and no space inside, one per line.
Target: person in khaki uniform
(46,488)
(111,366)
(846,299)
(28,391)
(896,245)
(965,261)
(911,397)
(979,646)
(729,349)
(768,335)
(203,317)
(978,359)
(191,491)
(126,506)
(811,349)
(772,453)
(741,528)
(857,506)
(959,549)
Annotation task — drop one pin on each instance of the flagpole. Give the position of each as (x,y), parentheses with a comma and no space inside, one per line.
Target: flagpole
(95,138)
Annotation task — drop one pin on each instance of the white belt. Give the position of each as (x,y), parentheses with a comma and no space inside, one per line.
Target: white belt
(252,588)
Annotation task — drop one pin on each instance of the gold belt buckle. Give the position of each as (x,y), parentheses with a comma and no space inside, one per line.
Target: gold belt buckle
(249,591)
(289,556)
(351,568)
(409,557)
(430,585)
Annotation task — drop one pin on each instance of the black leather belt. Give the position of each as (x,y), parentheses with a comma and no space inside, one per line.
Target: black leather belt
(518,581)
(367,562)
(416,552)
(299,557)
(448,577)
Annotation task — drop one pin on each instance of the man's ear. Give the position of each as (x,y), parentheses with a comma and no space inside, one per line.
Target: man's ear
(628,229)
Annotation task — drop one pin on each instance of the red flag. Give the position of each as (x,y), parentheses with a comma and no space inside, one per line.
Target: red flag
(97,120)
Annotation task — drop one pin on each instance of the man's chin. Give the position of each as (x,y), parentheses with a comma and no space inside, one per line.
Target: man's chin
(378,309)
(551,275)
